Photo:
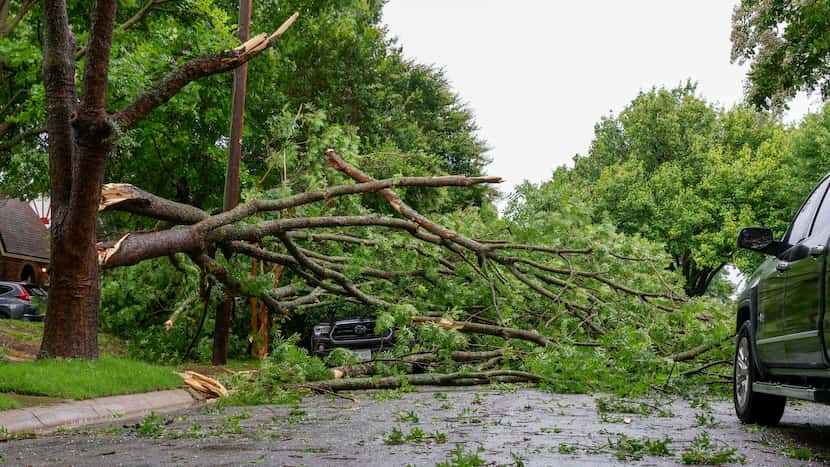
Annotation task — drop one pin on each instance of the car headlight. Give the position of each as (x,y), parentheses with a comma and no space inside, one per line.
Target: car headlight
(321,330)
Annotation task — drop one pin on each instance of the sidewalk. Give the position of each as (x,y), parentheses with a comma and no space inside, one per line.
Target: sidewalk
(87,412)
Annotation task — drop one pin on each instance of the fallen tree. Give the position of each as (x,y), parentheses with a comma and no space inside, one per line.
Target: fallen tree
(581,293)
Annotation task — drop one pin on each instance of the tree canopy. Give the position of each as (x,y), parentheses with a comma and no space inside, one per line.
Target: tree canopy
(675,169)
(338,71)
(787,47)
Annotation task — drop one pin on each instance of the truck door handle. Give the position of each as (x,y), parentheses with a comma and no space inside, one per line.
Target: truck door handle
(782,266)
(817,250)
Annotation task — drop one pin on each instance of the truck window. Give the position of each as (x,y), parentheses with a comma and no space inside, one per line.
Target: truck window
(800,228)
(821,226)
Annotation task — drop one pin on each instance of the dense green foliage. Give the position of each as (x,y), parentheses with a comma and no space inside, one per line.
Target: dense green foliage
(787,46)
(137,301)
(675,169)
(335,69)
(79,379)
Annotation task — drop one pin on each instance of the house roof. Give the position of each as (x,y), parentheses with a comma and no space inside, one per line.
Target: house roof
(22,233)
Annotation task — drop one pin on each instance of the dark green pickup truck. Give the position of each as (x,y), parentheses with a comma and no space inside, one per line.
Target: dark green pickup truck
(782,327)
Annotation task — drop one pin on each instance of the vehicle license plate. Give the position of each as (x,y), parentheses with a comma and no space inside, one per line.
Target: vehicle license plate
(364,354)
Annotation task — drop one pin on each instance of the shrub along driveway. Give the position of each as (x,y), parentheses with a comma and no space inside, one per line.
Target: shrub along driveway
(511,426)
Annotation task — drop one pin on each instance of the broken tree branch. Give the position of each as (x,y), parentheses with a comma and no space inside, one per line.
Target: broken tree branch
(695,351)
(419,358)
(195,69)
(477,328)
(398,204)
(129,198)
(423,379)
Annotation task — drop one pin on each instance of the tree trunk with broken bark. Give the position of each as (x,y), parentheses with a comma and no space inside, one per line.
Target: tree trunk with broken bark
(80,134)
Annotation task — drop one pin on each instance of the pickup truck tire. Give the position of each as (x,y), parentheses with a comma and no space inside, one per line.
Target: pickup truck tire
(752,407)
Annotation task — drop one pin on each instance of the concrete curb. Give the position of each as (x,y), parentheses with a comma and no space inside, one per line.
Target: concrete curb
(88,412)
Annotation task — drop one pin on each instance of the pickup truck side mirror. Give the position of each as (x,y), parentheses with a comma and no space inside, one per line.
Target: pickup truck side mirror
(760,239)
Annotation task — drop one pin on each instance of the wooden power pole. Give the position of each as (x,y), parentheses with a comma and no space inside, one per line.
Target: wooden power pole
(221,332)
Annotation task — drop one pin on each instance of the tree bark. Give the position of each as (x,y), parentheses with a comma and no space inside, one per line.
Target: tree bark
(79,142)
(423,379)
(365,368)
(221,329)
(79,131)
(477,328)
(695,351)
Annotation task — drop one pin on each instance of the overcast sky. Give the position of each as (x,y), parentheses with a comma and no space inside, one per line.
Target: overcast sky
(539,74)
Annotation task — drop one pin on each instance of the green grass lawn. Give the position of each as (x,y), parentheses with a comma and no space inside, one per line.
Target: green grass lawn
(80,379)
(22,338)
(7,403)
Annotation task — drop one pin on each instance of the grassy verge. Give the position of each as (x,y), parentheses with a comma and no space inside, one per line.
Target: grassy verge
(21,340)
(7,403)
(78,379)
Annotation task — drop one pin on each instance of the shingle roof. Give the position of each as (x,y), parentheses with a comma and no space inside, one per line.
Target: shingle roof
(21,231)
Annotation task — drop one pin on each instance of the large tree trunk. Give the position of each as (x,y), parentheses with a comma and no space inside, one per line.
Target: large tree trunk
(79,141)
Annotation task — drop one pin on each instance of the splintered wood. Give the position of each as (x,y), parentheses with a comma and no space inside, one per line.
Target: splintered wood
(204,384)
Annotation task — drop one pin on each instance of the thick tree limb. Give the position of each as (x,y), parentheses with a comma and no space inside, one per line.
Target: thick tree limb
(126,197)
(137,247)
(129,198)
(96,69)
(477,328)
(316,269)
(59,81)
(420,358)
(695,351)
(404,209)
(424,379)
(194,70)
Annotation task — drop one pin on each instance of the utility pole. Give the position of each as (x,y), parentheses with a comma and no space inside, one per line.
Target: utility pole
(221,332)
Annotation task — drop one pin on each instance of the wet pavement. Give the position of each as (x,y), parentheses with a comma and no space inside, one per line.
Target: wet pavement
(506,426)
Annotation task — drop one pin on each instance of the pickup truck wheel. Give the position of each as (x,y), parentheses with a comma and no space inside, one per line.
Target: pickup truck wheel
(752,407)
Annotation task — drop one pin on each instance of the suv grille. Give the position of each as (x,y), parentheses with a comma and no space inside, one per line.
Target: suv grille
(354,331)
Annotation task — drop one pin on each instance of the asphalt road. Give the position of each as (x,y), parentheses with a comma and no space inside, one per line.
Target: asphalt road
(501,427)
